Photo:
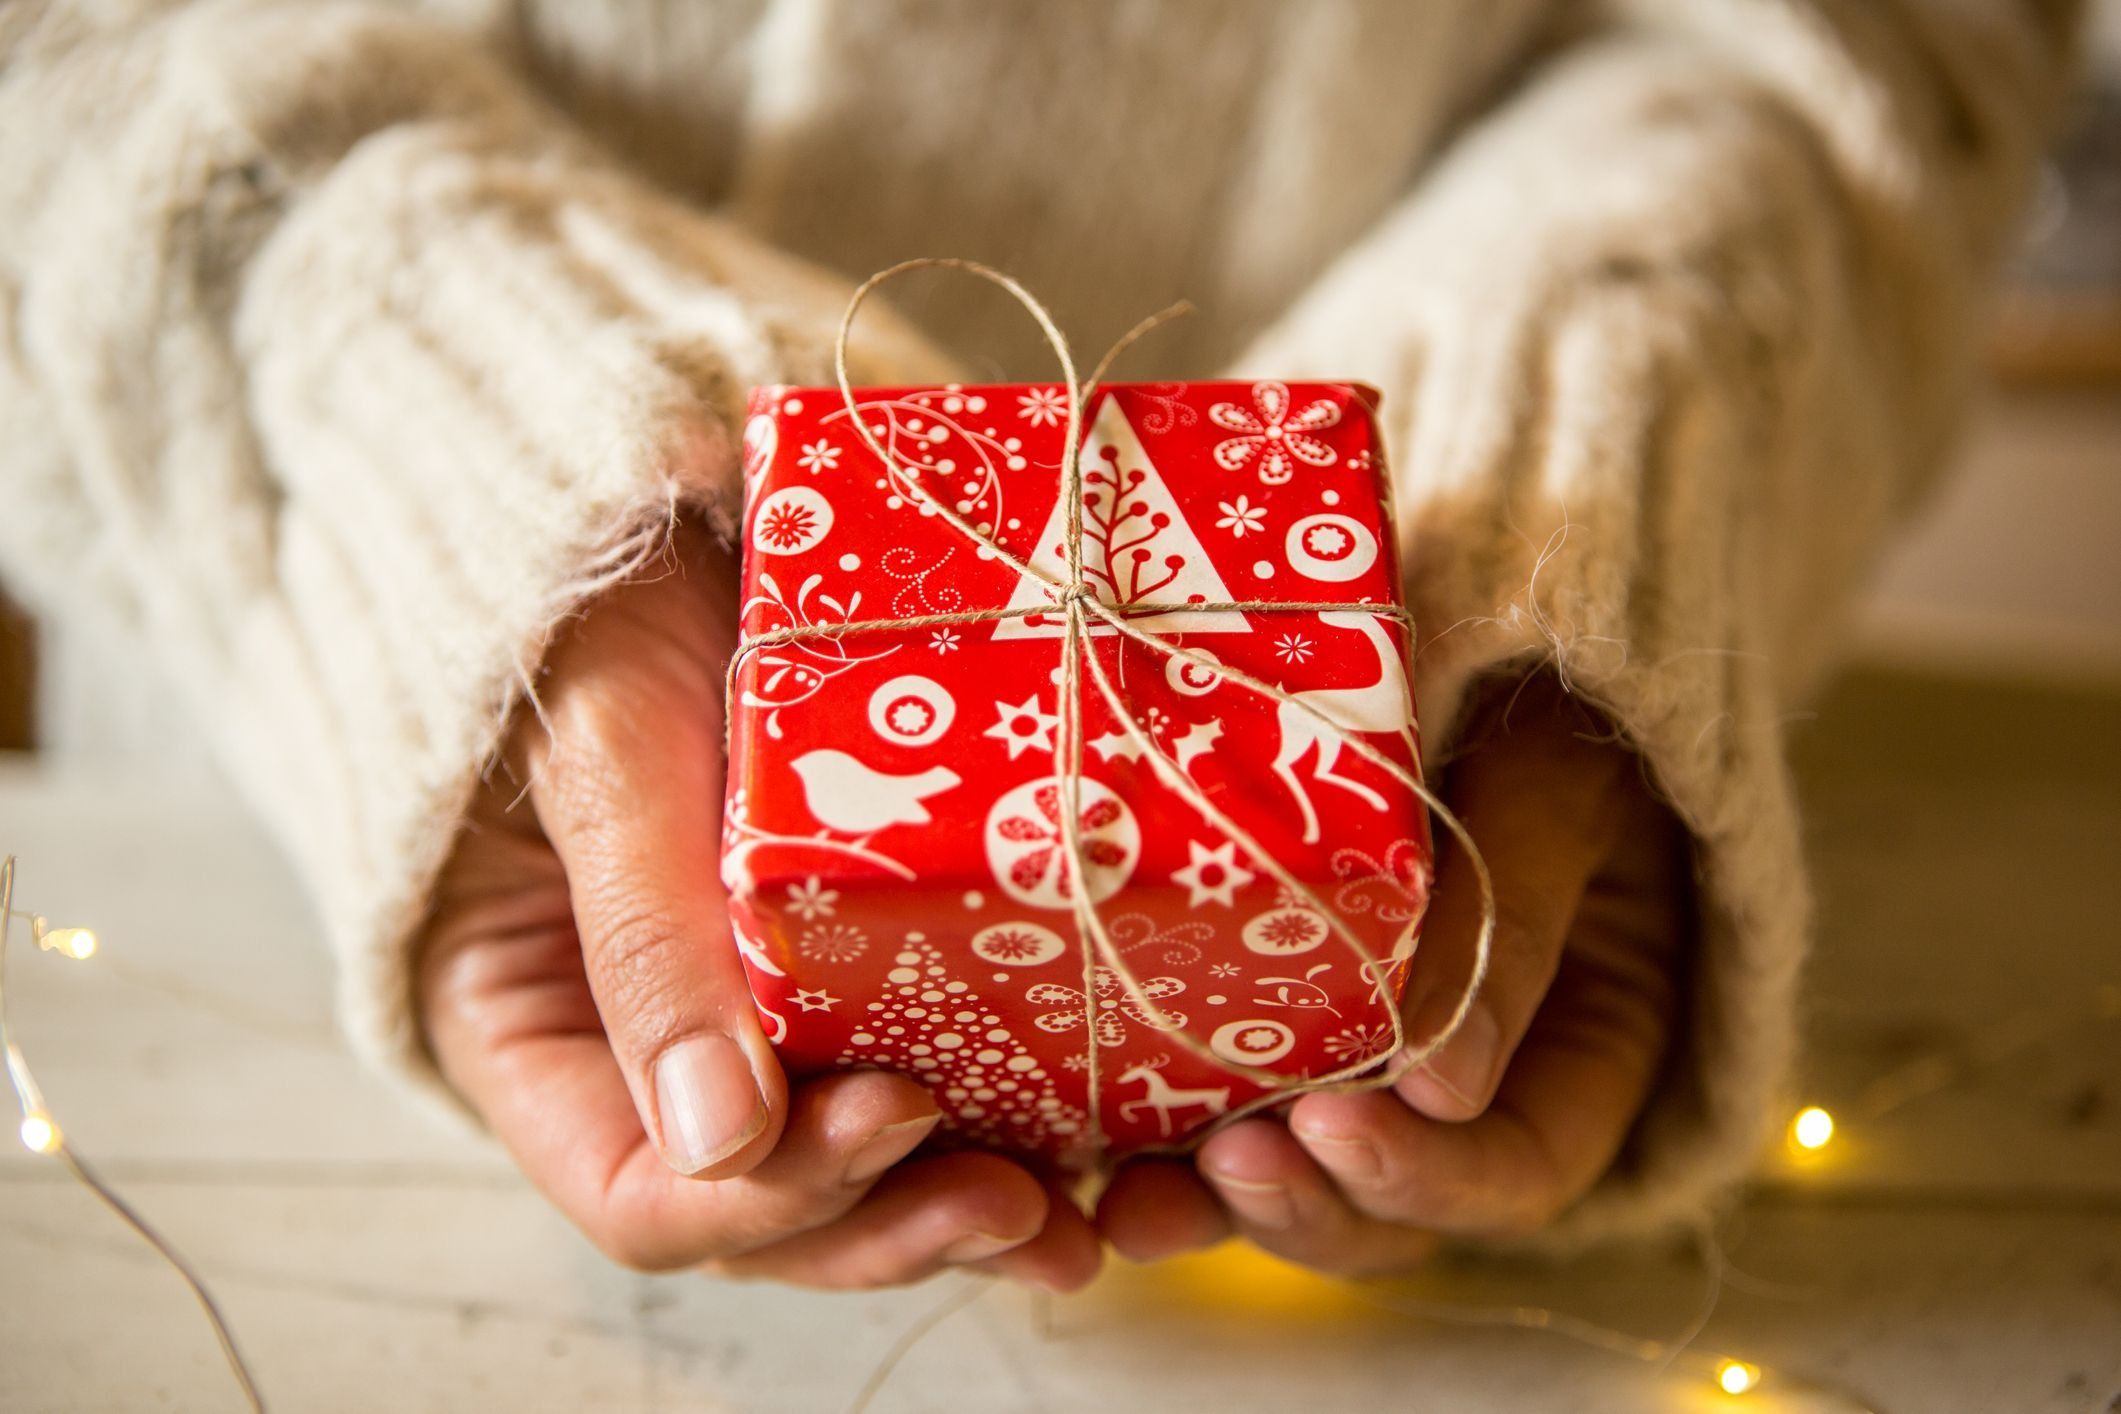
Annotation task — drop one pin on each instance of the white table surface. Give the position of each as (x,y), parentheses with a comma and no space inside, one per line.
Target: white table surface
(1962,1253)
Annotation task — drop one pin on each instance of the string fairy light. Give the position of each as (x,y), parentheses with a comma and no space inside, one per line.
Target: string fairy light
(1239,1272)
(1811,1129)
(1728,1374)
(77,943)
(1737,1377)
(1815,1129)
(973,1288)
(41,1133)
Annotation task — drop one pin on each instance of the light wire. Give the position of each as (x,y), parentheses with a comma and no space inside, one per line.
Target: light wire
(32,1104)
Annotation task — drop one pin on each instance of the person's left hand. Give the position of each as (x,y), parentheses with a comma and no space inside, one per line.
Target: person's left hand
(1530,1102)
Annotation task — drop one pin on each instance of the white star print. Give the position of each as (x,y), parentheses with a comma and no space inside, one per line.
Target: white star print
(1023,727)
(1212,875)
(1199,740)
(820,1000)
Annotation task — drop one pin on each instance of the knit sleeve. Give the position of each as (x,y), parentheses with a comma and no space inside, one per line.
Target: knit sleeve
(341,369)
(1668,342)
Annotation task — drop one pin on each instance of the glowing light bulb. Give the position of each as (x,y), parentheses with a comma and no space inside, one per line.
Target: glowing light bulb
(1812,1129)
(40,1133)
(1737,1377)
(77,943)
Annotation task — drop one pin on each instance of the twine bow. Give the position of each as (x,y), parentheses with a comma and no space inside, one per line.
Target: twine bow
(1078,604)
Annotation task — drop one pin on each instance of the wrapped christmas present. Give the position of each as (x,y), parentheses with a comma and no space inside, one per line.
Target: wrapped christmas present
(1104,826)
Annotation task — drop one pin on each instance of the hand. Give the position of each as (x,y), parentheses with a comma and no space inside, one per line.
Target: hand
(581,990)
(1532,1099)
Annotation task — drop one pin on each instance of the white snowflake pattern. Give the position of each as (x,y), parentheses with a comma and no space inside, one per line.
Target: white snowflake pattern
(910,718)
(1292,648)
(819,456)
(1327,542)
(1354,1043)
(1011,945)
(1240,517)
(1289,930)
(944,640)
(1223,969)
(1043,407)
(787,525)
(833,942)
(811,900)
(1271,436)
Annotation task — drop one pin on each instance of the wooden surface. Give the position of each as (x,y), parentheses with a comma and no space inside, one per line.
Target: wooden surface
(1958,1252)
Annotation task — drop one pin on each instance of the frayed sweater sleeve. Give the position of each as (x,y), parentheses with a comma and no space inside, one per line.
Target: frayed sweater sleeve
(341,369)
(1668,342)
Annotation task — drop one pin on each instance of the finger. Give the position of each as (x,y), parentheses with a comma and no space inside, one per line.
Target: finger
(520,1041)
(627,783)
(1564,1110)
(1284,1203)
(1064,1257)
(1158,1208)
(1534,789)
(950,1210)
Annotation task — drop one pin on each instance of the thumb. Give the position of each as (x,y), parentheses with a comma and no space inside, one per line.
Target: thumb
(1536,787)
(627,784)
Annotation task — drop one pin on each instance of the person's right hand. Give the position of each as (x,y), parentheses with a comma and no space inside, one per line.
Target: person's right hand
(581,990)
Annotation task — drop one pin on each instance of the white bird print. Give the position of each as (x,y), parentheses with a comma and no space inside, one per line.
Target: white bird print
(845,795)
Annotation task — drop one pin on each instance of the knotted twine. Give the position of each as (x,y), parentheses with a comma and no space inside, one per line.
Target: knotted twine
(1076,599)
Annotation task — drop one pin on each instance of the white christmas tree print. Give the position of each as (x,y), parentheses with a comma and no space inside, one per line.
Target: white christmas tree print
(938,1029)
(1137,546)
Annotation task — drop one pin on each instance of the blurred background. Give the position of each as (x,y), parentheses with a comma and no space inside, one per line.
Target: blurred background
(2016,567)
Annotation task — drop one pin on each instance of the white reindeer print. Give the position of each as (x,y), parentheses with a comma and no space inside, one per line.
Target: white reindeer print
(1162,1096)
(1386,705)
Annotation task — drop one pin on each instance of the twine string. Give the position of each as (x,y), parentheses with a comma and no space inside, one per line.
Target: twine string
(1076,601)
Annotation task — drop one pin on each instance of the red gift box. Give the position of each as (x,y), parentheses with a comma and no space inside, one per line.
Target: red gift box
(898,877)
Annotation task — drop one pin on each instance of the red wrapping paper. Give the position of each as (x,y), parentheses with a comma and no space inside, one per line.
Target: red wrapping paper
(891,843)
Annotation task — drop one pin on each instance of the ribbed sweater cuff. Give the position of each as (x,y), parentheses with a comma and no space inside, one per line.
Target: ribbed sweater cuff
(1596,463)
(487,378)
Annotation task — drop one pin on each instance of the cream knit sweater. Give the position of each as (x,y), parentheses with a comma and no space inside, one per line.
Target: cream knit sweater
(344,347)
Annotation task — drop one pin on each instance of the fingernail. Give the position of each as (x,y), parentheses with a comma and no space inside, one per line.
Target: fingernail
(887,1146)
(1348,1157)
(708,1101)
(1465,1069)
(980,1246)
(1261,1204)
